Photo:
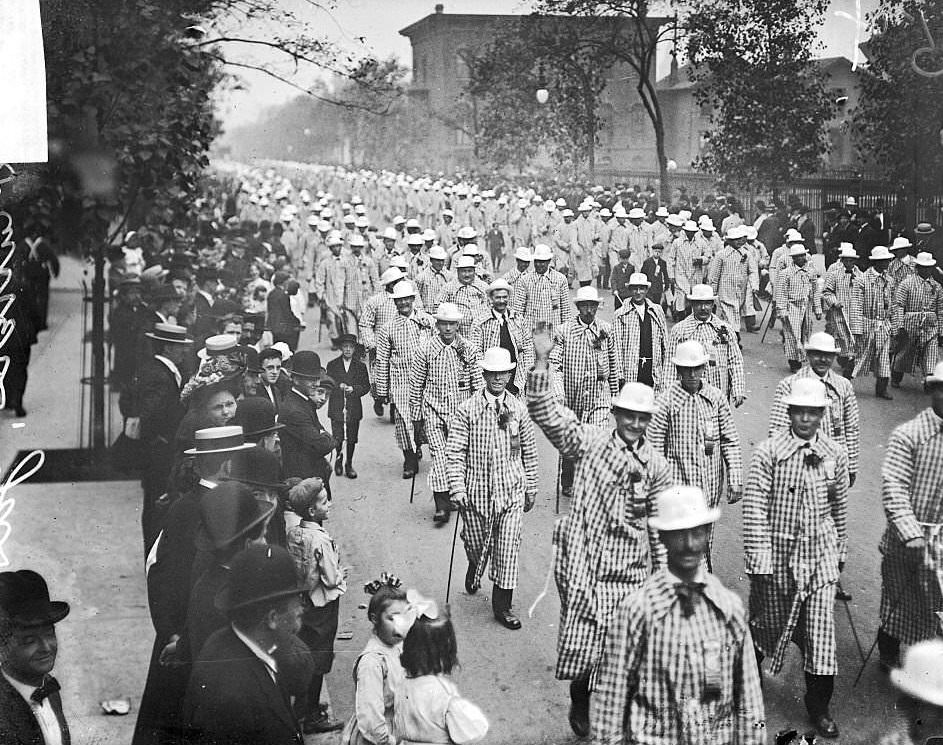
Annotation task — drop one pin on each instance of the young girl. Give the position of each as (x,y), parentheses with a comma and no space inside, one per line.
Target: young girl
(428,708)
(378,674)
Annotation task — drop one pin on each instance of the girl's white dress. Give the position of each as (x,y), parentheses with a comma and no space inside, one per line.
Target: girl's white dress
(429,710)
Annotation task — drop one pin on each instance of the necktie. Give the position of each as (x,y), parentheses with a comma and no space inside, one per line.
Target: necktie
(505,338)
(50,686)
(688,594)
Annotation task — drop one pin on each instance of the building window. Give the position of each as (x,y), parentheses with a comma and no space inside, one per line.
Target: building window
(461,65)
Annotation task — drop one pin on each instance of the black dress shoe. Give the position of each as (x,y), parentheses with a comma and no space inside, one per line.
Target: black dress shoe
(506,618)
(885,395)
(441,517)
(825,726)
(339,467)
(350,472)
(378,408)
(579,721)
(20,411)
(471,586)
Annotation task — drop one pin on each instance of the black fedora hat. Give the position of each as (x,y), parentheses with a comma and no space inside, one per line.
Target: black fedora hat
(306,364)
(258,574)
(256,416)
(229,512)
(258,467)
(24,599)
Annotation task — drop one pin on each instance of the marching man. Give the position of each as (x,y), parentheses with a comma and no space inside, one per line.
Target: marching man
(918,306)
(543,295)
(641,336)
(795,535)
(836,304)
(491,460)
(378,310)
(466,291)
(734,276)
(502,328)
(797,297)
(872,320)
(649,687)
(443,374)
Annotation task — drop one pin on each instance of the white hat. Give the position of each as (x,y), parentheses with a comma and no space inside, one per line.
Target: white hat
(587,294)
(334,238)
(218,440)
(880,253)
(807,392)
(661,211)
(736,232)
(522,253)
(921,675)
(685,215)
(636,213)
(549,206)
(542,252)
(635,397)
(499,284)
(399,220)
(567,212)
(561,202)
(393,274)
(327,213)
(414,239)
(360,209)
(324,226)
(362,222)
(390,234)
(937,376)
(682,508)
(675,220)
(619,212)
(447,312)
(313,220)
(466,233)
(822,342)
(900,242)
(428,234)
(690,225)
(604,212)
(497,359)
(638,279)
(522,203)
(503,199)
(399,261)
(471,249)
(412,222)
(705,223)
(751,232)
(847,251)
(701,292)
(793,236)
(690,354)
(585,207)
(282,348)
(448,212)
(437,252)
(465,262)
(357,240)
(925,258)
(404,289)
(348,219)
(797,249)
(851,202)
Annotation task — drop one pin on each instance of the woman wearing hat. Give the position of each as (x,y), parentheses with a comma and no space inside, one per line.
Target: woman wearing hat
(918,305)
(872,320)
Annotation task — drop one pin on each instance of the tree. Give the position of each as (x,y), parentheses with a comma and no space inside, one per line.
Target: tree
(752,63)
(899,120)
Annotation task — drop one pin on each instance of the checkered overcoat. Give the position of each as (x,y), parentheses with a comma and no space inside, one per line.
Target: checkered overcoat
(725,368)
(330,281)
(471,299)
(378,311)
(491,458)
(362,282)
(441,377)
(584,358)
(626,328)
(734,276)
(683,268)
(795,531)
(841,418)
(918,310)
(486,333)
(565,244)
(583,261)
(397,343)
(429,285)
(605,547)
(836,304)
(912,477)
(658,680)
(900,270)
(542,298)
(797,297)
(639,243)
(872,321)
(513,277)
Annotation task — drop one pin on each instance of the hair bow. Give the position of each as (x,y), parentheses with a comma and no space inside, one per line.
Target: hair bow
(388,580)
(417,606)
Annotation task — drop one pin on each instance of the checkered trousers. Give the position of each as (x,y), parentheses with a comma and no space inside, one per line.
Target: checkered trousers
(471,299)
(429,285)
(542,298)
(733,274)
(683,269)
(585,359)
(836,304)
(491,459)
(918,307)
(841,418)
(797,297)
(397,343)
(912,476)
(725,368)
(486,333)
(872,321)
(795,532)
(605,547)
(664,678)
(626,329)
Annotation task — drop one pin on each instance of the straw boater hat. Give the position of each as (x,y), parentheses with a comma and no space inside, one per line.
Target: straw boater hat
(228,439)
(637,279)
(587,294)
(169,332)
(499,284)
(797,249)
(847,251)
(523,253)
(822,342)
(391,275)
(807,392)
(496,359)
(438,253)
(900,243)
(690,354)
(683,508)
(703,293)
(635,397)
(465,262)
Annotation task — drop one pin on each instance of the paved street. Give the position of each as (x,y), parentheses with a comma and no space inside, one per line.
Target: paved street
(85,538)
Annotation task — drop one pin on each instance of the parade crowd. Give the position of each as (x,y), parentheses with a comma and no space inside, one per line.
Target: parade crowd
(469,317)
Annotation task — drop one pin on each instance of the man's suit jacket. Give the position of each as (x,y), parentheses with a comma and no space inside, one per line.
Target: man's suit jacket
(232,699)
(281,320)
(18,724)
(158,401)
(304,440)
(358,379)
(275,398)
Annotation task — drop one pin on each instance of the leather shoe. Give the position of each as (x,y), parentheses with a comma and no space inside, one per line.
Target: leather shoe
(885,395)
(506,618)
(20,412)
(320,724)
(471,586)
(349,472)
(378,408)
(825,726)
(441,517)
(339,467)
(579,721)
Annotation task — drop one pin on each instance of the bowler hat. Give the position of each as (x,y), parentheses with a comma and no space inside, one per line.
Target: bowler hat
(24,599)
(257,575)
(256,416)
(306,364)
(229,512)
(258,467)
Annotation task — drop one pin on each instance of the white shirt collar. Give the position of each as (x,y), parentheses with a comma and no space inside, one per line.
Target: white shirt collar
(491,398)
(170,366)
(265,657)
(45,715)
(209,298)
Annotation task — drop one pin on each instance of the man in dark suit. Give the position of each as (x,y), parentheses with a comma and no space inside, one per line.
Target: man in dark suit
(769,230)
(344,409)
(30,703)
(207,284)
(282,321)
(237,693)
(304,441)
(271,362)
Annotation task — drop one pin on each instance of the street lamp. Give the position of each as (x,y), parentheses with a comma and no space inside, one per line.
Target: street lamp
(542,95)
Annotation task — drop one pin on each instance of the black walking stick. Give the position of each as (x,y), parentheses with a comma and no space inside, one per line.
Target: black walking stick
(556,510)
(448,585)
(843,596)
(893,610)
(763,323)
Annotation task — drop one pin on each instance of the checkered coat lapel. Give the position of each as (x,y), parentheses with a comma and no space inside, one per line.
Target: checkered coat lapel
(725,369)
(626,328)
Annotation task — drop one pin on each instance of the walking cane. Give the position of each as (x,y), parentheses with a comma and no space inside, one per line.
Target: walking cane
(763,323)
(448,585)
(854,631)
(897,600)
(556,510)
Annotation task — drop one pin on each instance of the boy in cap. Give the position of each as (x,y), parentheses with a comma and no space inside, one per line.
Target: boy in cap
(345,409)
(619,278)
(648,688)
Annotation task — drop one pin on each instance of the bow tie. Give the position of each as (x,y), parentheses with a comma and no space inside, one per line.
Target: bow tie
(689,593)
(50,686)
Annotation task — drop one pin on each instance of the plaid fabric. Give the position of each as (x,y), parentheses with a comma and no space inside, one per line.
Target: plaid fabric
(841,419)
(429,285)
(836,303)
(682,268)
(626,329)
(494,467)
(565,244)
(795,531)
(872,321)
(639,242)
(542,298)
(378,311)
(486,333)
(604,547)
(471,299)
(797,297)
(397,343)
(330,281)
(666,679)
(584,357)
(900,270)
(725,368)
(362,282)
(912,476)
(734,276)
(918,310)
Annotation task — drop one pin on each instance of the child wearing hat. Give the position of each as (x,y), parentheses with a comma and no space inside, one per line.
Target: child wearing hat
(619,278)
(344,408)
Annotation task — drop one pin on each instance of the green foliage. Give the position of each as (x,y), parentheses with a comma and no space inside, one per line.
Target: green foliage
(899,120)
(752,62)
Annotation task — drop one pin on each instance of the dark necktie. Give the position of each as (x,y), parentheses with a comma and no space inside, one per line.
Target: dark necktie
(505,339)
(688,593)
(50,686)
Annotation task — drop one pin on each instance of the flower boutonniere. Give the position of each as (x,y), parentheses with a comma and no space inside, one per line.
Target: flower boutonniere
(635,477)
(504,418)
(600,340)
(723,334)
(813,460)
